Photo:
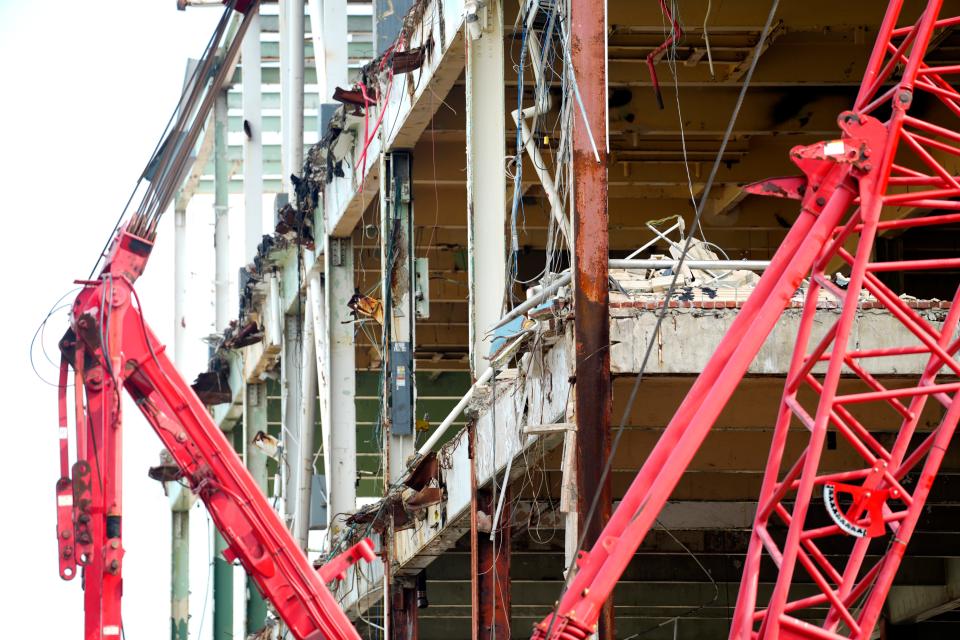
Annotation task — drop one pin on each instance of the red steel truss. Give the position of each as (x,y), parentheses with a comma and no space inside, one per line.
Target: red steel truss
(886,158)
(111,349)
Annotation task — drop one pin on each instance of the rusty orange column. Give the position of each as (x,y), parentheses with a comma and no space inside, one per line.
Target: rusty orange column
(493,572)
(489,560)
(591,298)
(404,619)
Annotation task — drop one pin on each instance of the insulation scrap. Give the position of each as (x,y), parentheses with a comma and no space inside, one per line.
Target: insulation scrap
(508,338)
(365,306)
(213,386)
(237,337)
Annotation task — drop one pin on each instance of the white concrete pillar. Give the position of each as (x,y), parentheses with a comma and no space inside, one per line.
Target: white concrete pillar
(291,391)
(486,181)
(335,45)
(221,213)
(340,432)
(307,428)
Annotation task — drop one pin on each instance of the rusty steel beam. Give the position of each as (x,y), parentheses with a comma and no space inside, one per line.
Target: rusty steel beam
(591,298)
(404,621)
(489,560)
(493,571)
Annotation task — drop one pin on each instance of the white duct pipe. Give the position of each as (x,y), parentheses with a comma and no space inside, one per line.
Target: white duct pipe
(697,265)
(291,85)
(549,187)
(454,414)
(253,143)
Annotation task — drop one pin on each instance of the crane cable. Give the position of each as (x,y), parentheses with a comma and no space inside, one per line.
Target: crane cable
(168,160)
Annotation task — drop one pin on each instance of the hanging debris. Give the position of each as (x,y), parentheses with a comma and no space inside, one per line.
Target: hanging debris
(364,306)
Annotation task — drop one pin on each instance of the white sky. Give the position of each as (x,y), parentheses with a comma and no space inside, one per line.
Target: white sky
(88,88)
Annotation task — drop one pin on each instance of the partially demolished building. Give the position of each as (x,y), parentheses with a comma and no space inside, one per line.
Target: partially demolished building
(514,236)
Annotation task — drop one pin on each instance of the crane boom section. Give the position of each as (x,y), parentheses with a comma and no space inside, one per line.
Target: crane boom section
(122,353)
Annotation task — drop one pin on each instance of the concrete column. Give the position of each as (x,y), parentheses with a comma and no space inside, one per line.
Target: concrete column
(316,299)
(291,389)
(253,144)
(179,574)
(396,249)
(591,299)
(340,432)
(255,419)
(222,591)
(291,89)
(328,28)
(335,45)
(307,428)
(221,239)
(486,184)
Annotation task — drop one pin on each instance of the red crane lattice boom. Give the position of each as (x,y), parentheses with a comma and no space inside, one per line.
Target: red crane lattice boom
(885,158)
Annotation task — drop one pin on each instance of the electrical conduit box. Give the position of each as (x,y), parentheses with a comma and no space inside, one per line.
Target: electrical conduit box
(401,389)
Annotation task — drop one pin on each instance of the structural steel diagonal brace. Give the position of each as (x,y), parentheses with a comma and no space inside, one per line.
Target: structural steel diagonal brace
(844,192)
(123,353)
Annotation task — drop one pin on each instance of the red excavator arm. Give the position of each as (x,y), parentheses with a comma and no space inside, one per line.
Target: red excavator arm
(890,159)
(111,348)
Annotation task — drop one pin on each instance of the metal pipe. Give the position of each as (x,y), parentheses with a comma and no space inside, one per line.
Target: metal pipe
(255,395)
(320,333)
(274,313)
(253,143)
(291,81)
(696,265)
(547,291)
(540,167)
(454,413)
(222,570)
(179,517)
(563,278)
